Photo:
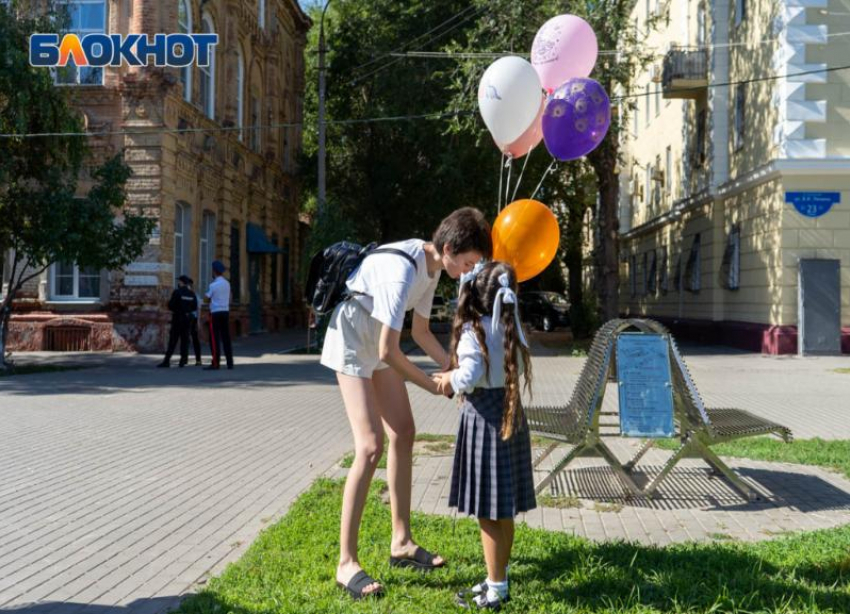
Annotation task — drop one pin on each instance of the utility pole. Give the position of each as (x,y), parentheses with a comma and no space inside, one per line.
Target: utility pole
(322,152)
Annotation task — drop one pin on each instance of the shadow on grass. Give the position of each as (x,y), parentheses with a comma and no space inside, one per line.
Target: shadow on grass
(291,566)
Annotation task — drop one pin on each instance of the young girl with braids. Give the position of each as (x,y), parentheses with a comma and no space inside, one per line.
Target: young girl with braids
(492,475)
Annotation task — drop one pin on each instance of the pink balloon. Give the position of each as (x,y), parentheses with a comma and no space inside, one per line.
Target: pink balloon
(530,138)
(564,48)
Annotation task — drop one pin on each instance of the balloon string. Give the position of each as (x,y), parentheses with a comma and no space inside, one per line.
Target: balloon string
(519,179)
(508,184)
(546,172)
(501,173)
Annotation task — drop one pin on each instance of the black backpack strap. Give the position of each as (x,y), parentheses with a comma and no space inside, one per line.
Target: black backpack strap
(398,252)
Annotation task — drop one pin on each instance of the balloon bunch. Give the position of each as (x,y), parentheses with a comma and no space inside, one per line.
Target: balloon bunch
(571,116)
(549,99)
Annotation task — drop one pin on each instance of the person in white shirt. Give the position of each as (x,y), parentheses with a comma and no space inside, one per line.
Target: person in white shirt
(362,346)
(492,477)
(219,295)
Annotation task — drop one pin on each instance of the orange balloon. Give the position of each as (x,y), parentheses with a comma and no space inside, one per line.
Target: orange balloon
(526,235)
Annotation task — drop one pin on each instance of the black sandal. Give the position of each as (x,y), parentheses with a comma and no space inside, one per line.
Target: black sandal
(358,582)
(421,559)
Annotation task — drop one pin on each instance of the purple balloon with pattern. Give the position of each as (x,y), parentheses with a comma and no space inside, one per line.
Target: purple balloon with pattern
(576,118)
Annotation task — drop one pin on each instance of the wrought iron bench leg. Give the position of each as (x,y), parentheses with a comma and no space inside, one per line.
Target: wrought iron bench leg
(544,454)
(604,451)
(559,467)
(646,447)
(734,479)
(678,455)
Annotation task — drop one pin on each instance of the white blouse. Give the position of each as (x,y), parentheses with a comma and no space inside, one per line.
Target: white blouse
(471,371)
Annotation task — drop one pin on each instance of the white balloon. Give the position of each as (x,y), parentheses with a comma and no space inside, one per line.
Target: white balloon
(509,98)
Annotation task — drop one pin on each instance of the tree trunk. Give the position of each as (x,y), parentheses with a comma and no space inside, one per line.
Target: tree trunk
(573,259)
(607,248)
(5,314)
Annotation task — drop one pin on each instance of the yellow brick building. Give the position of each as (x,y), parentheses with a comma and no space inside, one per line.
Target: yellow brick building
(206,164)
(744,112)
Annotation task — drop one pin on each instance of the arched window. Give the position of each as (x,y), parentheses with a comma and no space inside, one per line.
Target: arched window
(208,74)
(184,26)
(240,90)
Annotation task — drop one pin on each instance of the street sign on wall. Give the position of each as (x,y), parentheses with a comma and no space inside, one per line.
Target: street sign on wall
(812,204)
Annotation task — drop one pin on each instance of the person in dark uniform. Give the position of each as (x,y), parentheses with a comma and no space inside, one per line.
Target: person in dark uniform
(182,303)
(194,318)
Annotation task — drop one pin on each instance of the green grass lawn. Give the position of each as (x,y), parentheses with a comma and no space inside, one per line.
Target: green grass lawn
(290,568)
(834,454)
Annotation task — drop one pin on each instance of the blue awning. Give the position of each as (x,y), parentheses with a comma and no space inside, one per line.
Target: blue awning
(258,243)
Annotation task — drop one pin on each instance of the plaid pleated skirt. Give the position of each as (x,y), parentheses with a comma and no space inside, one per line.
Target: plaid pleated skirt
(491,478)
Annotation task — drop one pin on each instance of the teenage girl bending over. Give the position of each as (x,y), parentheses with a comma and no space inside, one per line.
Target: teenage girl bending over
(492,475)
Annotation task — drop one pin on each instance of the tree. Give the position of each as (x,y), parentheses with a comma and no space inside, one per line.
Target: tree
(43,218)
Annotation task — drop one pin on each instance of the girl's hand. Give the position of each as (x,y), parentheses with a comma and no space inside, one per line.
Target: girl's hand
(443,381)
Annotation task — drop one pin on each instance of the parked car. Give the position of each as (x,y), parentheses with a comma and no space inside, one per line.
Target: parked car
(544,310)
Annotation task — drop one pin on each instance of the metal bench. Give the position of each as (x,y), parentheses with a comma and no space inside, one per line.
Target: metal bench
(698,427)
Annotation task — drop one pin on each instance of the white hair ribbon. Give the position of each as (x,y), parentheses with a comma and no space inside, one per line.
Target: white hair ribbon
(506,295)
(467,277)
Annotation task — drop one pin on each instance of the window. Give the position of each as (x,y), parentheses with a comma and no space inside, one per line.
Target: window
(70,282)
(701,26)
(740,11)
(644,269)
(652,272)
(648,102)
(730,268)
(699,149)
(184,25)
(668,171)
(255,124)
(207,250)
(240,91)
(692,268)
(182,232)
(84,17)
(235,251)
(208,74)
(633,274)
(647,186)
(273,270)
(657,100)
(740,106)
(261,13)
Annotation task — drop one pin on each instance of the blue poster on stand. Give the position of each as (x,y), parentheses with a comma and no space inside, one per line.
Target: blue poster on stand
(812,204)
(646,390)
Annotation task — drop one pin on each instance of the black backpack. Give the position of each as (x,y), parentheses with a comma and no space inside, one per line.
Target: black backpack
(331,268)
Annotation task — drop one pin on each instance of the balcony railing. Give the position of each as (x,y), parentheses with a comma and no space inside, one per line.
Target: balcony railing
(685,73)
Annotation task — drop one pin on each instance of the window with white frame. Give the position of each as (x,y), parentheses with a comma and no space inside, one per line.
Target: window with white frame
(207,250)
(208,74)
(84,17)
(70,282)
(730,267)
(740,109)
(240,91)
(182,238)
(740,11)
(184,26)
(693,280)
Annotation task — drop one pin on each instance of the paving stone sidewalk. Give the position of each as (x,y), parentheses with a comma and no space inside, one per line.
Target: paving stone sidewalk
(123,486)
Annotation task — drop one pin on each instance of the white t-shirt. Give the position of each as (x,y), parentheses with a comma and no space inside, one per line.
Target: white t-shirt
(219,295)
(471,370)
(387,285)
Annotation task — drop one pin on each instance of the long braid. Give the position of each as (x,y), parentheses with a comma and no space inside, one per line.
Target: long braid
(514,350)
(468,310)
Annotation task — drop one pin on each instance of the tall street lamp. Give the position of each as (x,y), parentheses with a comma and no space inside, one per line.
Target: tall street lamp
(322,152)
